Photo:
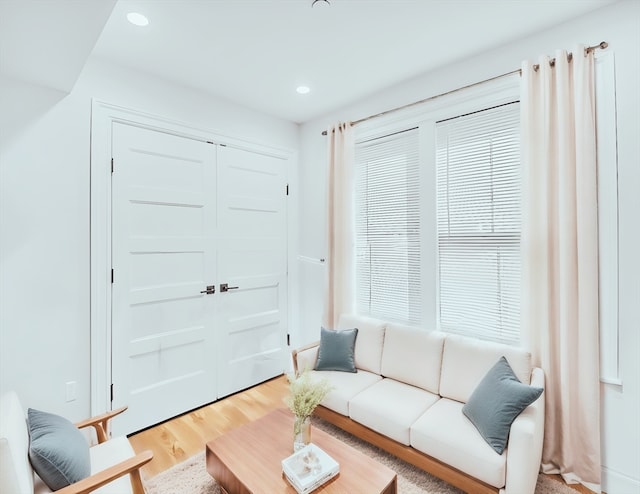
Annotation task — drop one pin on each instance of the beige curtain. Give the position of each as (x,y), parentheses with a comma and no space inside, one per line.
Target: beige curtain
(340,225)
(560,258)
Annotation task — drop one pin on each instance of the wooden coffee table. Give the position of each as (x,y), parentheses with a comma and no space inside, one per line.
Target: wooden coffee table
(248,459)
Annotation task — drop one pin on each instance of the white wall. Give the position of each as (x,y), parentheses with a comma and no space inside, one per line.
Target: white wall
(44,217)
(620,26)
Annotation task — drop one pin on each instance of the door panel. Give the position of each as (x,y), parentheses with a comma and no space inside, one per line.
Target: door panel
(252,256)
(163,234)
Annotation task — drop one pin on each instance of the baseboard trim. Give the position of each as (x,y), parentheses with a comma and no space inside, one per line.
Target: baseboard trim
(615,482)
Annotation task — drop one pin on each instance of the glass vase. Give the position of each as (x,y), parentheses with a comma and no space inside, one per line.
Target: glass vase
(301,432)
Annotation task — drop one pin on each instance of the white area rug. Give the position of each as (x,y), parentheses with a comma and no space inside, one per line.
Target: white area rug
(191,477)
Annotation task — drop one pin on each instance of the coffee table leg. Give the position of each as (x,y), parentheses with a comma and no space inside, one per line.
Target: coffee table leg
(225,478)
(392,488)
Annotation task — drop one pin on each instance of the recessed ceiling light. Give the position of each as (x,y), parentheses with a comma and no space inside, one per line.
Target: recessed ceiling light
(303,89)
(137,19)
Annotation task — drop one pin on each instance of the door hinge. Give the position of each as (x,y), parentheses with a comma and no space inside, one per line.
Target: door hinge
(288,339)
(111,275)
(287,189)
(111,391)
(111,165)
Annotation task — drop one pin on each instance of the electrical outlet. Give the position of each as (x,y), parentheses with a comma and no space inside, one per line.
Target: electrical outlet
(71,391)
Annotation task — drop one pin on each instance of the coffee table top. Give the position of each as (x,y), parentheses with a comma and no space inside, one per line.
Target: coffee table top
(248,459)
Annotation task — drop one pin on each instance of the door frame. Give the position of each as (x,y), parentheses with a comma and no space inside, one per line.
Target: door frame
(103,116)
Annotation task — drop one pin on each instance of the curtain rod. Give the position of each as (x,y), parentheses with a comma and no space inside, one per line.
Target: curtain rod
(602,45)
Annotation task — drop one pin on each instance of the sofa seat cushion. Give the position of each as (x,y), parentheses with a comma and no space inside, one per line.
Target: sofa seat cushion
(444,433)
(108,454)
(345,385)
(390,407)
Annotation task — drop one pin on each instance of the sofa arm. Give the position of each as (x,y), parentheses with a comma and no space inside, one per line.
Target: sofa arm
(305,357)
(524,450)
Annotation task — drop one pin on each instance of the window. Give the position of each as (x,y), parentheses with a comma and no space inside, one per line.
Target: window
(388,227)
(461,273)
(478,223)
(437,213)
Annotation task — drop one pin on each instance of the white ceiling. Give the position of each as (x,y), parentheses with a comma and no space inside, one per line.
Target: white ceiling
(256,52)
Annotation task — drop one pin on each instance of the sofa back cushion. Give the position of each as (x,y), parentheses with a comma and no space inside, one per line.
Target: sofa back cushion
(465,361)
(413,356)
(16,474)
(368,352)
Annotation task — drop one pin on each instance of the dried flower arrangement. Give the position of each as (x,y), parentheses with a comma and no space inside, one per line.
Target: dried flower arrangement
(305,394)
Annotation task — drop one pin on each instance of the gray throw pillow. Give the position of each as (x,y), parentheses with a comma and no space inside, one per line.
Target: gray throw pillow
(496,402)
(58,451)
(337,350)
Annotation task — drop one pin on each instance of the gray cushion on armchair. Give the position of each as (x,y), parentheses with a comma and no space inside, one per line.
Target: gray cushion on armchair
(58,451)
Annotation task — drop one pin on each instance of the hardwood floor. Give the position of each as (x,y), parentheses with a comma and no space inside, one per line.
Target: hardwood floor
(182,437)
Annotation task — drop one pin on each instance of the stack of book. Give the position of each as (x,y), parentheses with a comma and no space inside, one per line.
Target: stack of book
(309,468)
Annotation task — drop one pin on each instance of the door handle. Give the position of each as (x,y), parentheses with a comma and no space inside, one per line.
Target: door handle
(224,287)
(211,289)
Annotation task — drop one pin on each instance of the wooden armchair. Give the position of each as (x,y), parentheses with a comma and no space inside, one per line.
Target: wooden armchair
(115,468)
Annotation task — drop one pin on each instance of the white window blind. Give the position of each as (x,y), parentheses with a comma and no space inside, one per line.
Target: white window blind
(388,227)
(478,216)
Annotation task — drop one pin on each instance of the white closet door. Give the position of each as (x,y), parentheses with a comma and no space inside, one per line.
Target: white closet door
(163,254)
(252,253)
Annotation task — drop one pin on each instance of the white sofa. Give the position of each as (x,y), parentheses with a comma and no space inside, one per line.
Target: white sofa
(407,398)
